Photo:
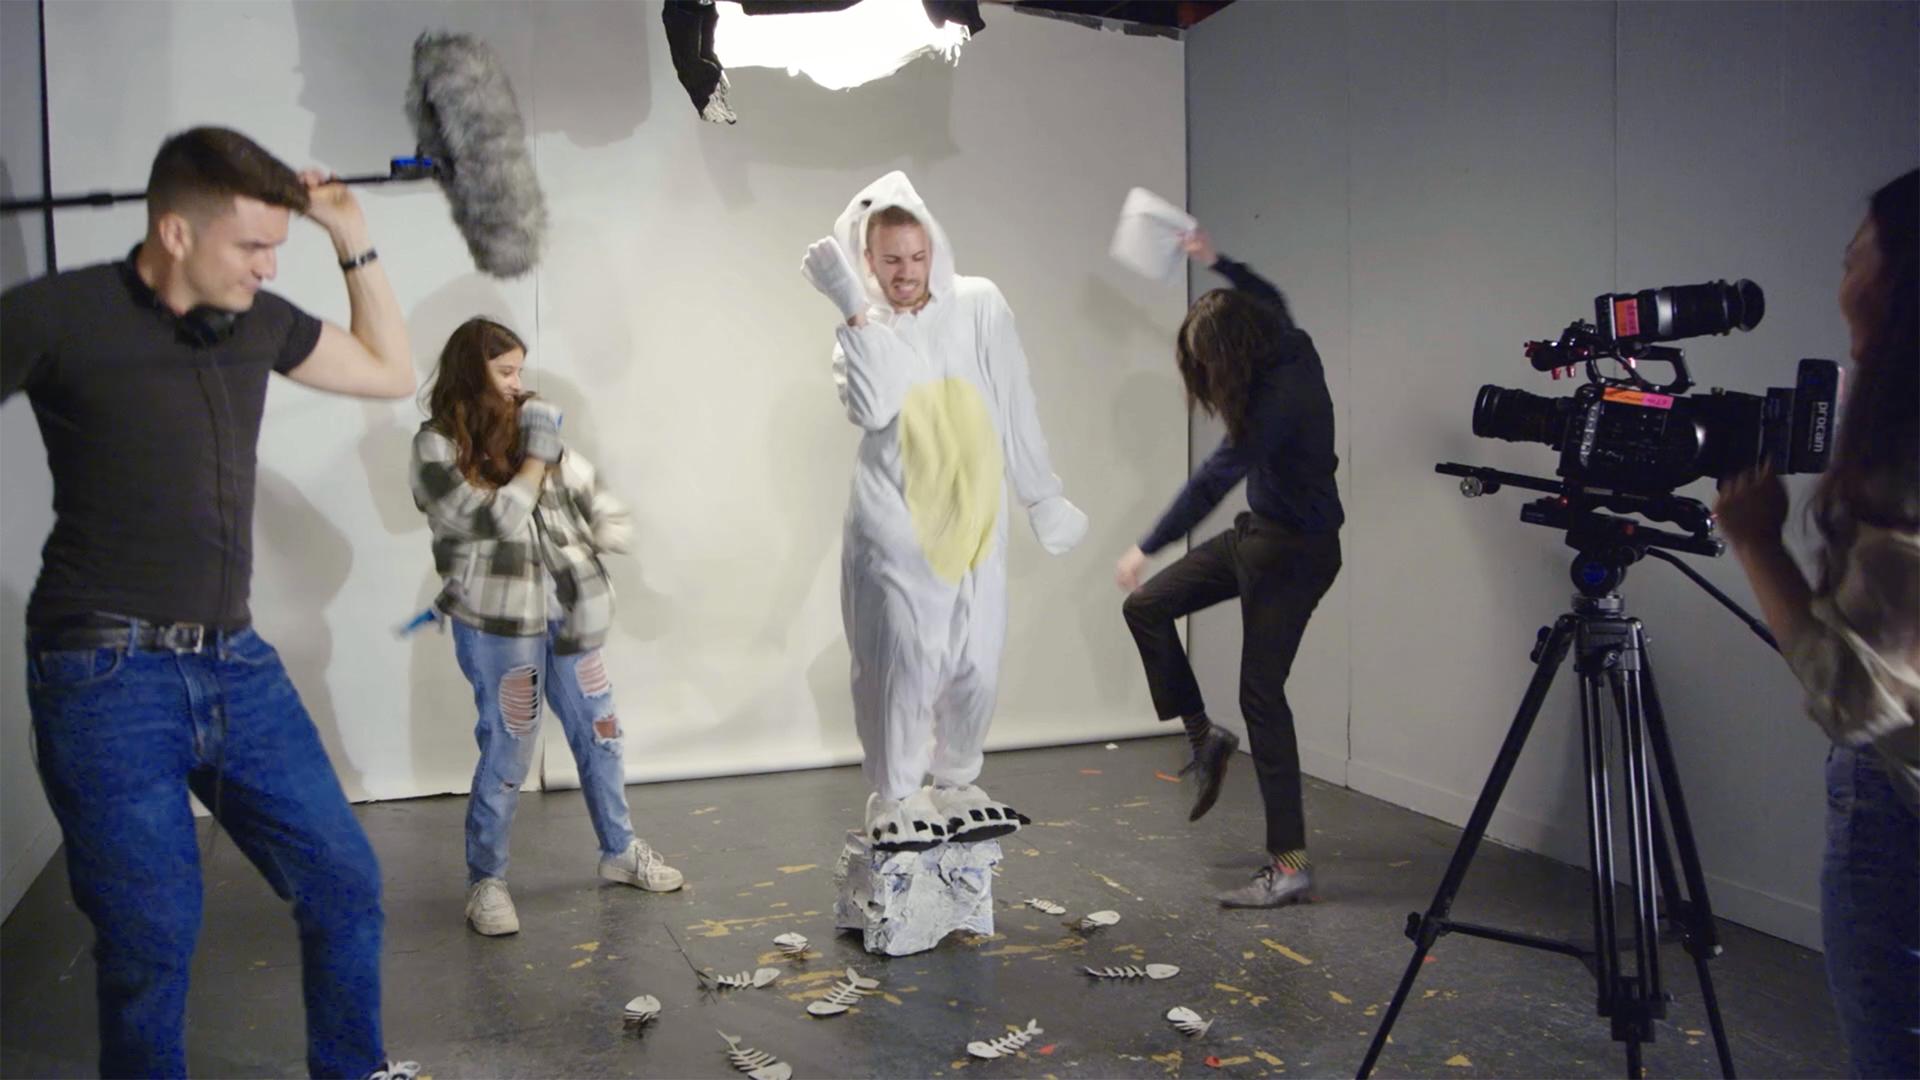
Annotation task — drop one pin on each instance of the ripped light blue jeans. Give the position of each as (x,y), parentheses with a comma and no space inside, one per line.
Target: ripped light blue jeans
(510,676)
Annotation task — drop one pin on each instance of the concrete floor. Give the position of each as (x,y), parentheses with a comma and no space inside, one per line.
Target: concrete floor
(1294,992)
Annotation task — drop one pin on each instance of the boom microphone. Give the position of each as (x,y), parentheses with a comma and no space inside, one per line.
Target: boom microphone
(464,115)
(471,141)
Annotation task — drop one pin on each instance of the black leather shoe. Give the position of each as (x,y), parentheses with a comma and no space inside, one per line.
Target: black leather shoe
(1209,769)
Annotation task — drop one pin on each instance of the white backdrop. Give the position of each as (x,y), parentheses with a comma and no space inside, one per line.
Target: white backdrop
(670,320)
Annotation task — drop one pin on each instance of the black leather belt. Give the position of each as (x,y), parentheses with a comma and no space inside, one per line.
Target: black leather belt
(116,632)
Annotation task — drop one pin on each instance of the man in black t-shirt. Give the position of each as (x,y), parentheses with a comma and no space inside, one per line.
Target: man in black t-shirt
(148,377)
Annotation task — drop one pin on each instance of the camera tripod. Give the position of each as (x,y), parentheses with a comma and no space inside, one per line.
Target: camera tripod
(1610,656)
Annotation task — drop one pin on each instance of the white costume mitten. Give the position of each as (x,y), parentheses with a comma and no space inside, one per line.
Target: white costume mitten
(828,269)
(910,824)
(1057,524)
(972,815)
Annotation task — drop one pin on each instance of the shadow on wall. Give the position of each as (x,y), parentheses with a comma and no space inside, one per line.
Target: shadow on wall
(387,448)
(357,61)
(319,558)
(794,122)
(589,301)
(13,241)
(604,90)
(638,610)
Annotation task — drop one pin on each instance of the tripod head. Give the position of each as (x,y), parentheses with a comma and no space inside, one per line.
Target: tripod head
(1607,543)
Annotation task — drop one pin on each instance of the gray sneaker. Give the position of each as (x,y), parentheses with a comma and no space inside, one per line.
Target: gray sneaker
(490,909)
(1273,886)
(641,867)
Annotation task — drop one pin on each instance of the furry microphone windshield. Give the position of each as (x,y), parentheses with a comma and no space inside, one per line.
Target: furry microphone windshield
(464,116)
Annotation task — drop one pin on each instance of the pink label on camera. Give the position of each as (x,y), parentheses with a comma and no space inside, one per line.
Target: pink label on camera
(1639,397)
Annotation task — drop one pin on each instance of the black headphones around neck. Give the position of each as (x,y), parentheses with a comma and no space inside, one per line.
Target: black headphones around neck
(202,327)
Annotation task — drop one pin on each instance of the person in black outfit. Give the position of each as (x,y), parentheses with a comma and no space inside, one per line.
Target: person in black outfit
(1245,362)
(145,677)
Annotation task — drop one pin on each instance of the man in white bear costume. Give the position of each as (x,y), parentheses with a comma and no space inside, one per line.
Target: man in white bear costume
(930,365)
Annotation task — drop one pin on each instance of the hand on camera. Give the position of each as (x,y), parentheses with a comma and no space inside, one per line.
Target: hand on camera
(1752,507)
(1128,572)
(540,430)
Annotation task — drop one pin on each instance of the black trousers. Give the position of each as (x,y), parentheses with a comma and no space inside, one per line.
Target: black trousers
(1279,576)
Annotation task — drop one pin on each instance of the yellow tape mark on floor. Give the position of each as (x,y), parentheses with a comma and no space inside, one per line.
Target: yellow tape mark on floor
(1228,989)
(1268,1058)
(723,927)
(1340,997)
(762,884)
(1171,1061)
(703,810)
(797,869)
(589,946)
(1284,951)
(1110,881)
(581,963)
(1460,1060)
(1224,1062)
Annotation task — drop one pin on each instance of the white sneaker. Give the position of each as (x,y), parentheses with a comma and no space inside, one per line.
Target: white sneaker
(490,909)
(640,866)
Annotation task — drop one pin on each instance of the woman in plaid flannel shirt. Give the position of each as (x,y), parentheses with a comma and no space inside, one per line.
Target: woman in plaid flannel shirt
(519,521)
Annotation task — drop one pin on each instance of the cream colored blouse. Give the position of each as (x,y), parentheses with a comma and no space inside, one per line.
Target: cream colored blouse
(1859,657)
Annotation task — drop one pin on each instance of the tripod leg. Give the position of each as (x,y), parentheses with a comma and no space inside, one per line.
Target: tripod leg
(1641,999)
(1701,934)
(1606,953)
(1426,929)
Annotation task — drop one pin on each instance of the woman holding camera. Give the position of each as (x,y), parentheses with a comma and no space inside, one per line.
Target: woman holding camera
(1853,639)
(1244,361)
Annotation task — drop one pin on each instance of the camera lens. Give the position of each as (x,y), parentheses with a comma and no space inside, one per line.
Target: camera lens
(1517,416)
(1713,308)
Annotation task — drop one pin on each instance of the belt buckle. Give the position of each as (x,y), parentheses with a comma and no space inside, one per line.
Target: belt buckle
(176,635)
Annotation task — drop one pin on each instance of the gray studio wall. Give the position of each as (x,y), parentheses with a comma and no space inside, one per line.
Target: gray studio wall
(28,834)
(1433,184)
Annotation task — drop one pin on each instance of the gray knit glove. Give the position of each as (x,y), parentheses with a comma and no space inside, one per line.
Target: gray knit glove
(540,430)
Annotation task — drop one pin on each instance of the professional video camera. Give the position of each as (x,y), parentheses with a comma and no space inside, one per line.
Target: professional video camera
(1625,444)
(1625,441)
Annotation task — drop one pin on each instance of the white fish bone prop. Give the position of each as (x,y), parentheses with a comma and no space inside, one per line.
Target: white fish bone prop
(1133,971)
(1005,1044)
(761,977)
(1047,906)
(792,944)
(642,1010)
(1097,919)
(844,995)
(1188,1021)
(757,1064)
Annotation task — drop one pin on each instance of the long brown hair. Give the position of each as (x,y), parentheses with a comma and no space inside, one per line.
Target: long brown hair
(1228,338)
(463,405)
(1874,477)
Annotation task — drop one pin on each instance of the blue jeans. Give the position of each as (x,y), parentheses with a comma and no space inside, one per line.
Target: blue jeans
(1870,915)
(121,736)
(509,675)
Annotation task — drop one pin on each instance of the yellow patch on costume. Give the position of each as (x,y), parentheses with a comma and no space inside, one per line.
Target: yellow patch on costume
(950,459)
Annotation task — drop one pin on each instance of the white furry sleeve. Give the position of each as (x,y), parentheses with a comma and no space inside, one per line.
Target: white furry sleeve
(872,369)
(1057,524)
